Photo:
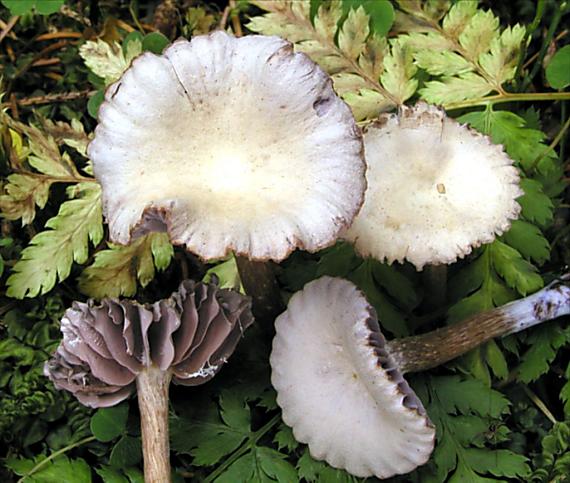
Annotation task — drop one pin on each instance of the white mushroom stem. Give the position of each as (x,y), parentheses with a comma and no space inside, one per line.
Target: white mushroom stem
(152,391)
(421,352)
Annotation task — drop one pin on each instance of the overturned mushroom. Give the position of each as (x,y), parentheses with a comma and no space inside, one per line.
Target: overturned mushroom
(110,348)
(340,383)
(228,144)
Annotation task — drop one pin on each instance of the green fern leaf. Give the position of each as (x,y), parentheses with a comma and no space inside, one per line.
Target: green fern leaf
(456,89)
(517,272)
(115,271)
(459,17)
(478,34)
(399,70)
(353,33)
(501,62)
(528,240)
(51,253)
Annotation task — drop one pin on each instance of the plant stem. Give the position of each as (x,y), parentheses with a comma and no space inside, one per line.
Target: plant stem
(529,31)
(500,98)
(556,16)
(422,352)
(55,454)
(258,280)
(152,393)
(435,285)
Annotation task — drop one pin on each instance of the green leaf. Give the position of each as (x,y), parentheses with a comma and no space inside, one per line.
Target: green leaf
(536,206)
(105,60)
(51,253)
(501,63)
(442,62)
(284,438)
(227,274)
(110,475)
(455,89)
(214,435)
(43,7)
(126,452)
(154,42)
(528,240)
(545,342)
(399,70)
(381,13)
(500,462)
(465,396)
(354,33)
(116,270)
(558,69)
(496,360)
(313,471)
(458,18)
(506,128)
(95,102)
(479,33)
(58,470)
(517,272)
(109,423)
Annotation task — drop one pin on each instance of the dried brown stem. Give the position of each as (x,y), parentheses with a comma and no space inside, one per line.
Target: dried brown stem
(258,279)
(422,352)
(152,392)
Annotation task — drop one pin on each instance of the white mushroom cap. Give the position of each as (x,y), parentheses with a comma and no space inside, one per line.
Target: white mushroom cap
(228,144)
(436,189)
(340,390)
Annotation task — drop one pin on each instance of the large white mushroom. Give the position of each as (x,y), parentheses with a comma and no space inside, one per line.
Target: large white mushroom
(436,189)
(228,144)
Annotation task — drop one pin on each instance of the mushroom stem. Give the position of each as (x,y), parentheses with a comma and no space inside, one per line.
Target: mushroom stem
(435,283)
(422,352)
(152,391)
(258,279)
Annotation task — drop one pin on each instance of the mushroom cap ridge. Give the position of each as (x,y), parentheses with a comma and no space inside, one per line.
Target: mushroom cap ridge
(340,390)
(228,145)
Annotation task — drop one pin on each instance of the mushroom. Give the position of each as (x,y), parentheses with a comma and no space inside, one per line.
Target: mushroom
(112,347)
(340,383)
(436,189)
(228,144)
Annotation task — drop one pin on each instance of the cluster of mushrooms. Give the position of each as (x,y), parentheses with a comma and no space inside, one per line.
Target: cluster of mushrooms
(240,145)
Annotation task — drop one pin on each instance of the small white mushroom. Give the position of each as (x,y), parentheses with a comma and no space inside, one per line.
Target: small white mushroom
(228,144)
(436,189)
(340,390)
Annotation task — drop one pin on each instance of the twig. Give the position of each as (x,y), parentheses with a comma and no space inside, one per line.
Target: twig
(507,97)
(58,97)
(58,35)
(224,20)
(236,24)
(9,26)
(539,404)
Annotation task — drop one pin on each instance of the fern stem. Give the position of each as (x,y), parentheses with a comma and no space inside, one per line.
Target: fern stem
(508,97)
(539,404)
(559,9)
(552,145)
(61,451)
(254,438)
(422,352)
